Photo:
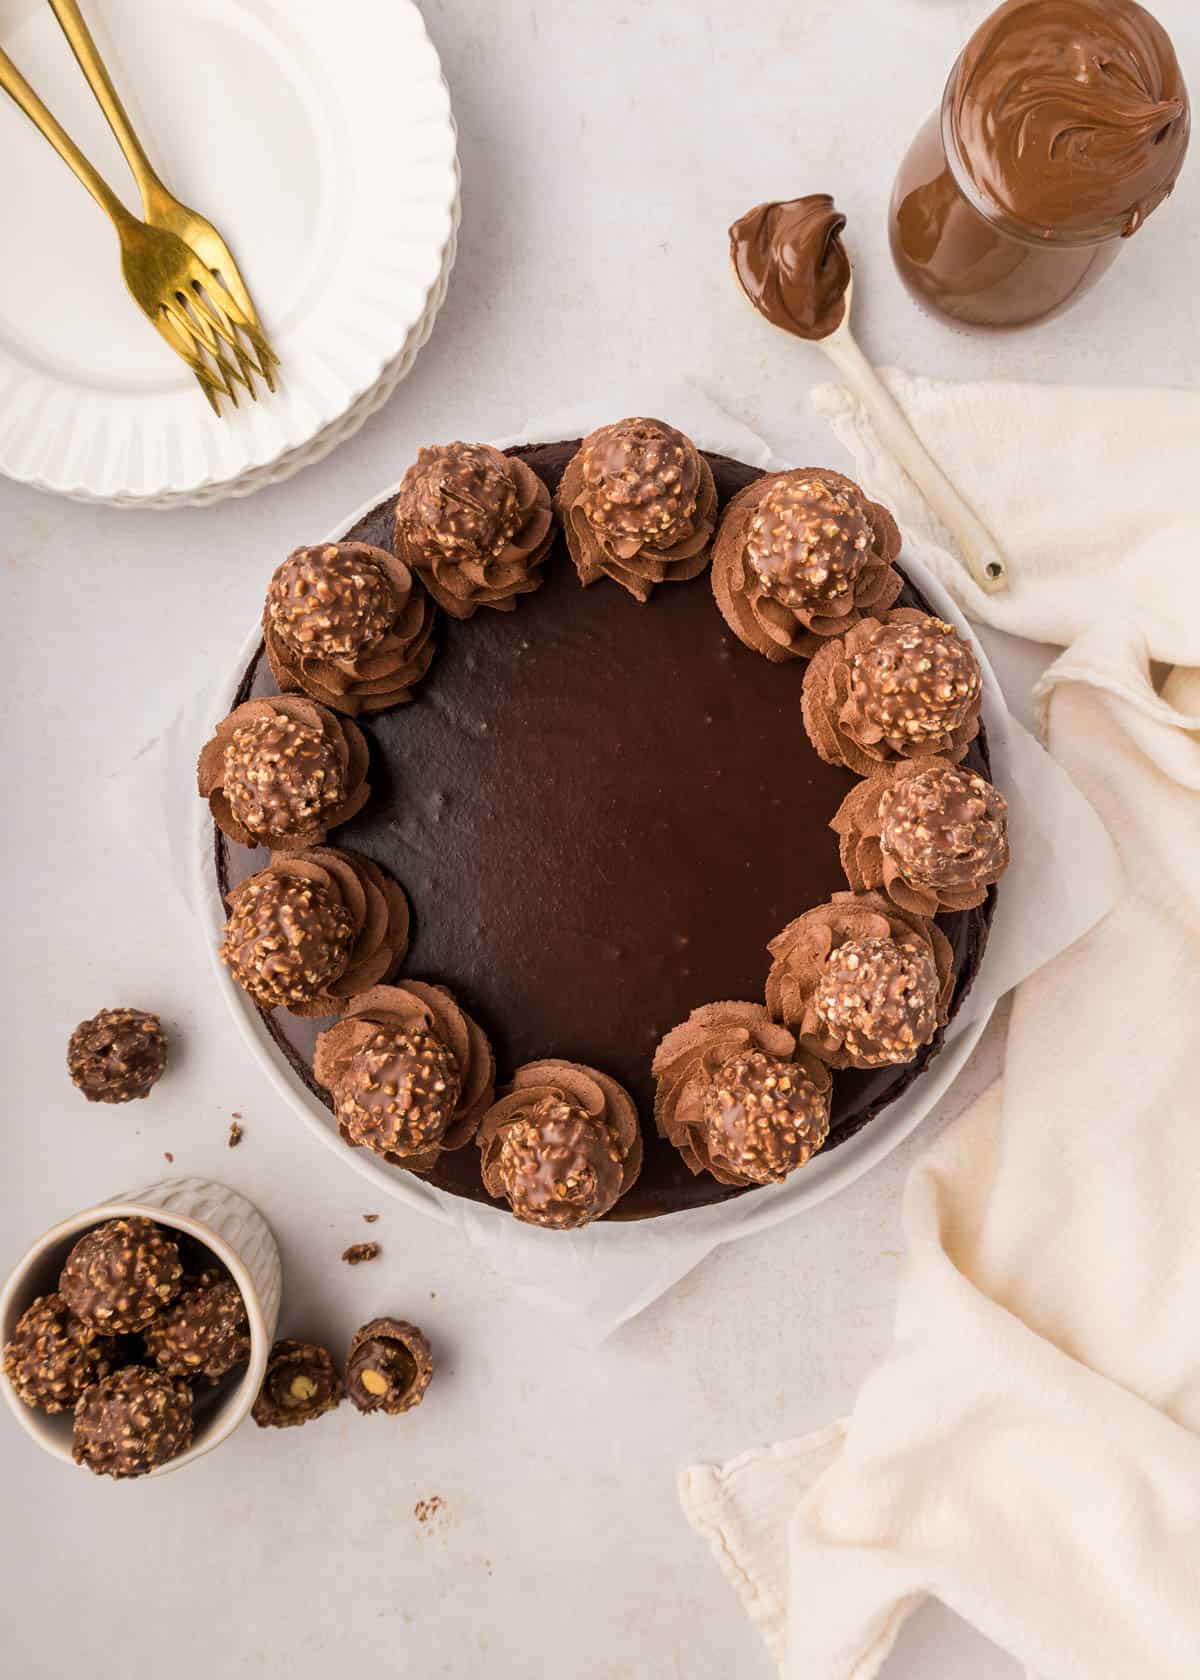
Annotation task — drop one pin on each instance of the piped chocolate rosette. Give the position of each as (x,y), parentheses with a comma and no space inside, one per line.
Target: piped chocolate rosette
(410,1073)
(475,525)
(281,772)
(737,1097)
(904,686)
(562,1145)
(802,556)
(313,930)
(639,505)
(348,625)
(860,981)
(930,834)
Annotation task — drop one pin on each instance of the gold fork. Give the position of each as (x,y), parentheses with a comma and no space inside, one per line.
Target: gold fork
(167,280)
(161,209)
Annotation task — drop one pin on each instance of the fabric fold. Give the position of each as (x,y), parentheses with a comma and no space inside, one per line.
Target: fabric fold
(1029,1451)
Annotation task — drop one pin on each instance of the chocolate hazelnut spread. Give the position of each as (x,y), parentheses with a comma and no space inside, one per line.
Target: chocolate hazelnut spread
(792,265)
(1064,125)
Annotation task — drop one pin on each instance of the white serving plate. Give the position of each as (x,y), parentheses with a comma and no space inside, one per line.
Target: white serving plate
(319,139)
(825,1175)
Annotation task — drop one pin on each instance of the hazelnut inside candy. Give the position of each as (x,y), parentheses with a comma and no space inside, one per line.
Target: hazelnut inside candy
(301,1383)
(331,601)
(807,542)
(880,998)
(389,1366)
(280,773)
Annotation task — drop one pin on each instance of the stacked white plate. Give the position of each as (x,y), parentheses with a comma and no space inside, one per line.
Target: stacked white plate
(321,142)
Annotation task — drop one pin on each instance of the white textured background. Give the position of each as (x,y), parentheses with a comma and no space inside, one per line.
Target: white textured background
(605,147)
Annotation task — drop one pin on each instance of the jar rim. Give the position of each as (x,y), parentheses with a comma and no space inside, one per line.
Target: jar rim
(996,216)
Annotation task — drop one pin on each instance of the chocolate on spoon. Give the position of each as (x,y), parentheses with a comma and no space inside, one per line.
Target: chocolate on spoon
(791,264)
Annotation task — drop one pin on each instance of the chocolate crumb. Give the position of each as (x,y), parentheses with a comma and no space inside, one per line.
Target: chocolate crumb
(236,1134)
(167,1156)
(358,1253)
(370,1218)
(426,1508)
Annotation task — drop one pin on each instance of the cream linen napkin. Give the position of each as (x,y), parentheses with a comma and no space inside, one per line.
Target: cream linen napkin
(1029,1452)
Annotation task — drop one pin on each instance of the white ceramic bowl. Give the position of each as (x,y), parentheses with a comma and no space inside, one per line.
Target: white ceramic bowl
(227,1224)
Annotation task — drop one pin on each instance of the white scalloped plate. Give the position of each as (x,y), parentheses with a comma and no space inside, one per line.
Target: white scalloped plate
(319,138)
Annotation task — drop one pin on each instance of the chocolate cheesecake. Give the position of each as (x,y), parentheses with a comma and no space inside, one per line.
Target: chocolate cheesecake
(602,805)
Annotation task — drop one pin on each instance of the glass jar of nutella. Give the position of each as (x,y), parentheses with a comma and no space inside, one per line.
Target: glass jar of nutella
(1063,125)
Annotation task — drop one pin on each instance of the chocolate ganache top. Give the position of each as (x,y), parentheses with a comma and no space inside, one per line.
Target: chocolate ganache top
(792,265)
(602,811)
(1071,116)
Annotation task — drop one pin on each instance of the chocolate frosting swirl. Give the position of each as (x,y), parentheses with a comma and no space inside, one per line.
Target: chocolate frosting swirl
(930,834)
(737,1098)
(345,624)
(281,772)
(475,525)
(791,263)
(1071,116)
(861,982)
(801,556)
(410,1073)
(904,686)
(638,505)
(562,1144)
(314,929)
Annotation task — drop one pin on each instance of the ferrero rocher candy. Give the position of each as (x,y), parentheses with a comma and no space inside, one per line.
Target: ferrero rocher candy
(860,981)
(930,834)
(737,1098)
(474,524)
(904,686)
(52,1356)
(301,1383)
(348,625)
(802,556)
(117,1055)
(131,1422)
(281,772)
(879,999)
(204,1332)
(562,1145)
(389,1366)
(409,1071)
(313,929)
(120,1274)
(639,505)
(765,1116)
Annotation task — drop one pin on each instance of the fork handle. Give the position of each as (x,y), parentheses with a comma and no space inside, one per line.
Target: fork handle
(18,89)
(73,26)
